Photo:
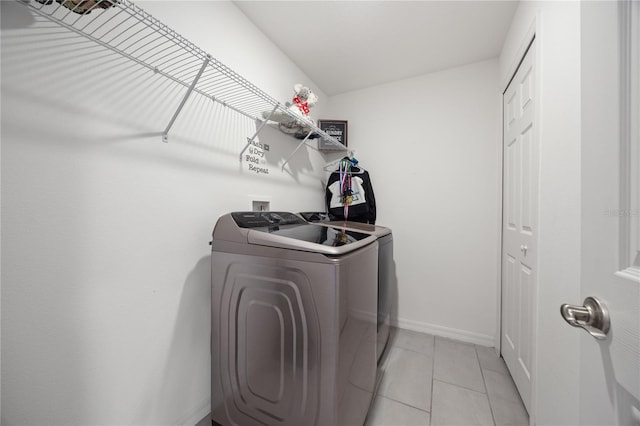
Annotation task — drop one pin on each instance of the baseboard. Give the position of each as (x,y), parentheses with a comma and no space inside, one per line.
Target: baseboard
(450,333)
(207,421)
(197,414)
(371,317)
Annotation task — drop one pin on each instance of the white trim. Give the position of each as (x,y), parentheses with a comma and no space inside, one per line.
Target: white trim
(631,274)
(497,340)
(634,132)
(537,33)
(533,32)
(629,207)
(519,55)
(201,410)
(524,46)
(441,331)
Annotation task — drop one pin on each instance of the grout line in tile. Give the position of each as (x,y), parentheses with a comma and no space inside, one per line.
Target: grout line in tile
(465,387)
(461,387)
(457,384)
(449,339)
(409,350)
(404,403)
(431,357)
(484,382)
(394,345)
(495,371)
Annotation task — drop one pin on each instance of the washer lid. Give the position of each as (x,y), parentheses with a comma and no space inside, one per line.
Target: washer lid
(322,218)
(377,230)
(287,230)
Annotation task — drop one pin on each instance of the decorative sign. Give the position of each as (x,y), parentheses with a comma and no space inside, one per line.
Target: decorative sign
(255,158)
(336,129)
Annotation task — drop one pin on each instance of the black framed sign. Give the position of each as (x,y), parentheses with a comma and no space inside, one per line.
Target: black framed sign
(335,128)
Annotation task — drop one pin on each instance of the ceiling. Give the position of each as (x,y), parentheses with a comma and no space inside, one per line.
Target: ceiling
(349,45)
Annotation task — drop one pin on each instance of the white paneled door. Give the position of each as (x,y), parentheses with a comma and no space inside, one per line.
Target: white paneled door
(609,380)
(519,228)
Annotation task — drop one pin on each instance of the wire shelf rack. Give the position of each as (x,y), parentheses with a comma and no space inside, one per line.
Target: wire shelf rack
(125,28)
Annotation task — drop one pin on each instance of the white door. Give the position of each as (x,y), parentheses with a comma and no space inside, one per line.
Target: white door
(519,228)
(609,383)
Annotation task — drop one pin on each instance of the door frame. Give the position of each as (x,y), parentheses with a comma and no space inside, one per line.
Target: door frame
(525,43)
(630,134)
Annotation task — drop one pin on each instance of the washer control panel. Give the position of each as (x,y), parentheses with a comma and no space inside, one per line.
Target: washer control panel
(268,219)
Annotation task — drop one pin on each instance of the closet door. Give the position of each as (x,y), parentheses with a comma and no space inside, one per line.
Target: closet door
(519,228)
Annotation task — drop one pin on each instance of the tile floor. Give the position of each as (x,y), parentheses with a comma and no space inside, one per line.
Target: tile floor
(435,381)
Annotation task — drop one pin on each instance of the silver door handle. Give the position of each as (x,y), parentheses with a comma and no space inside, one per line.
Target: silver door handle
(523,249)
(593,317)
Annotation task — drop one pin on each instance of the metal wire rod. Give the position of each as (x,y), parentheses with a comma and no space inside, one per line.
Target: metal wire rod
(71,10)
(186,73)
(110,41)
(132,26)
(132,36)
(88,11)
(172,50)
(109,32)
(251,139)
(239,111)
(231,91)
(166,44)
(135,41)
(297,148)
(104,23)
(165,134)
(172,68)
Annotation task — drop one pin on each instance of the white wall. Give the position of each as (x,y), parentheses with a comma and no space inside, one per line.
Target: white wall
(557,29)
(432,145)
(105,275)
(105,229)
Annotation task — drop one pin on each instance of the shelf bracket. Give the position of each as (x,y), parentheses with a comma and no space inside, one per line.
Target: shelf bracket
(297,148)
(165,134)
(264,123)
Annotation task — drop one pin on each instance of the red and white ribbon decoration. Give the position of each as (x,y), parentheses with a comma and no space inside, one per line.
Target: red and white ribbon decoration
(302,106)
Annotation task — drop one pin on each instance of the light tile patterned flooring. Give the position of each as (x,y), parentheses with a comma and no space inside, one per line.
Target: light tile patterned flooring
(435,381)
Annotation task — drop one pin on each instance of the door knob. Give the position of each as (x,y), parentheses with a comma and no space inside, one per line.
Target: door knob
(593,317)
(523,249)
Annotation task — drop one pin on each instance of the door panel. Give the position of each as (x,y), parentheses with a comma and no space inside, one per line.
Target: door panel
(609,386)
(509,310)
(526,314)
(520,191)
(511,183)
(527,173)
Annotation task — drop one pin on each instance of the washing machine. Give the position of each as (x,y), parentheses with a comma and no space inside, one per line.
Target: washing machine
(294,321)
(386,269)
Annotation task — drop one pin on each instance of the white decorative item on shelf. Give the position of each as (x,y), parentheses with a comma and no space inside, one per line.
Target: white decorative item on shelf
(297,117)
(127,29)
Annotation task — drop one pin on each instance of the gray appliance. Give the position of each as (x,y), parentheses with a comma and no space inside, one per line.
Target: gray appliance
(294,321)
(386,275)
(386,269)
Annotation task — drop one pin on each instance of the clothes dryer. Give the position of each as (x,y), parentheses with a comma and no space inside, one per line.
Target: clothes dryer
(386,269)
(293,321)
